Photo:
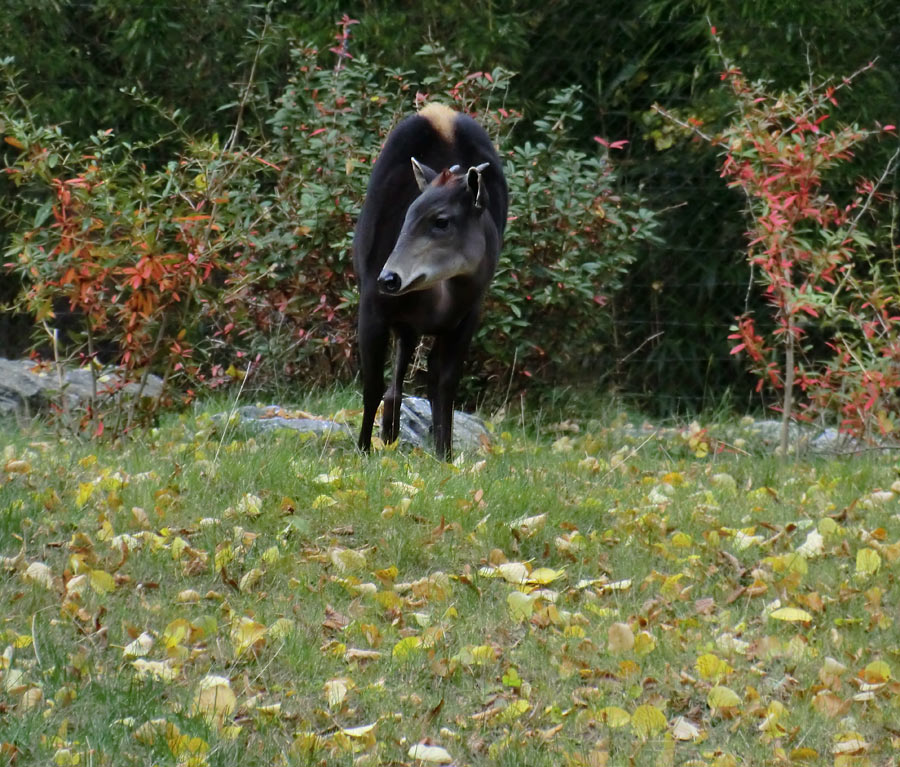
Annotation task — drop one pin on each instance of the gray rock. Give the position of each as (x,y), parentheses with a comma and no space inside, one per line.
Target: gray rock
(763,434)
(769,432)
(20,390)
(805,437)
(469,431)
(263,419)
(832,441)
(309,425)
(27,388)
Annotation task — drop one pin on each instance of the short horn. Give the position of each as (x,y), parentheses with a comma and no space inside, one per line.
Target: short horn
(476,184)
(424,175)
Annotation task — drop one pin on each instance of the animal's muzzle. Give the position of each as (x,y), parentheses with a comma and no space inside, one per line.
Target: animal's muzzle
(389,282)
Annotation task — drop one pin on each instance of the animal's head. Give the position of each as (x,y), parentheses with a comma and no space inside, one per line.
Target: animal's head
(443,234)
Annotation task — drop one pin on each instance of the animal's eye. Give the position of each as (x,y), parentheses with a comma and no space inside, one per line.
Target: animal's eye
(441,222)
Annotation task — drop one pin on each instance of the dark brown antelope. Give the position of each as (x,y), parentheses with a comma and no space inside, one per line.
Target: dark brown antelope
(425,250)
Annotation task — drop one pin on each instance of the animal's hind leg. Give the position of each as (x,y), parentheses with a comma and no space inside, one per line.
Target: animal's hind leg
(373,339)
(393,398)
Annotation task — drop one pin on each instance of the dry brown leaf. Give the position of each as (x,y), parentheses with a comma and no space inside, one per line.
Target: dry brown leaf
(620,637)
(334,620)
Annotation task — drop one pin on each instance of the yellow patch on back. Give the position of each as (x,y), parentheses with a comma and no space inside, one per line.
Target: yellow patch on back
(442,119)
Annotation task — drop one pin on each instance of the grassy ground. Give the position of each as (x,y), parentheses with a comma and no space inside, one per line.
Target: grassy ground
(565,597)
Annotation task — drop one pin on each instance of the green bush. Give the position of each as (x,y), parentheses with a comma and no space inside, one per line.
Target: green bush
(571,233)
(244,252)
(571,238)
(140,268)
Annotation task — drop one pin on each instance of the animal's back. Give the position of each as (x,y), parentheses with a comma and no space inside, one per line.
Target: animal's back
(438,137)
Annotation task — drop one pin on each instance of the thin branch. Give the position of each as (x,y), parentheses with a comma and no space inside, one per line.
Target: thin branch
(809,66)
(642,345)
(692,128)
(34,642)
(848,275)
(788,397)
(245,96)
(146,374)
(725,60)
(632,454)
(231,414)
(887,169)
(10,76)
(813,90)
(53,333)
(845,83)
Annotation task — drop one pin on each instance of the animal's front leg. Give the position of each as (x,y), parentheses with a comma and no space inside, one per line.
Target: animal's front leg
(390,422)
(444,370)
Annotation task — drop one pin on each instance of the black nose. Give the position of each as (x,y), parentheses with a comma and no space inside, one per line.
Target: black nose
(389,282)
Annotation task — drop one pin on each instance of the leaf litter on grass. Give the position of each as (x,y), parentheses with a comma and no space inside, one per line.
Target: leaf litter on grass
(582,603)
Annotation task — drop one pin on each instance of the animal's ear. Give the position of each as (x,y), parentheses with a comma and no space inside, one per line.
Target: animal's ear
(424,175)
(475,182)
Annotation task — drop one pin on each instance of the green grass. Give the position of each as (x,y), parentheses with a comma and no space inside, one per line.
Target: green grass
(281,563)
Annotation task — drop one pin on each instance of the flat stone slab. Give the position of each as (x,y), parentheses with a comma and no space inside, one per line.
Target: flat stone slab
(274,417)
(765,434)
(469,431)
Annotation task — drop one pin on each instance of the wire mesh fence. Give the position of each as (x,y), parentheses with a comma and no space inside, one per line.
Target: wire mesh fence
(667,343)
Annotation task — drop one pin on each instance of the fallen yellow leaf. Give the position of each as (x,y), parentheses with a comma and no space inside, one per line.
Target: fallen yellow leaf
(528,526)
(281,628)
(614,716)
(163,671)
(246,635)
(514,710)
(405,647)
(31,698)
(85,491)
(102,582)
(215,699)
(323,502)
(250,579)
(481,654)
(434,754)
(544,575)
(521,605)
(250,505)
(868,562)
(712,668)
(346,560)
(720,697)
(644,643)
(877,672)
(647,721)
(336,691)
(791,614)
